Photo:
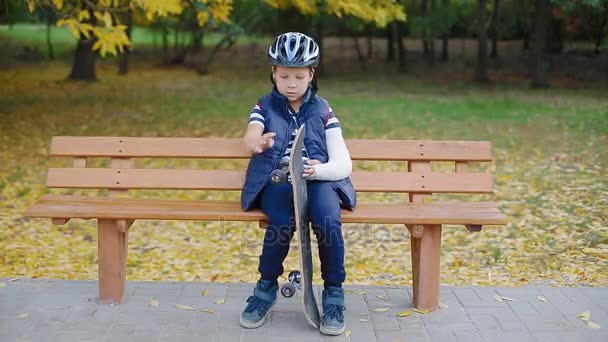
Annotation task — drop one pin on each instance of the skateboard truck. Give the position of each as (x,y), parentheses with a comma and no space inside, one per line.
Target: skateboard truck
(295,281)
(280,175)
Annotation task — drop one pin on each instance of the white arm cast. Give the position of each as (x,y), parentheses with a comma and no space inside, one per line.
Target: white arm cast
(339,165)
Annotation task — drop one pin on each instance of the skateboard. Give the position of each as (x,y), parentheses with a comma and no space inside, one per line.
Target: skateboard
(300,279)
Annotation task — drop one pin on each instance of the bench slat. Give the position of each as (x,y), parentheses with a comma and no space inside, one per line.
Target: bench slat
(363,181)
(360,149)
(61,206)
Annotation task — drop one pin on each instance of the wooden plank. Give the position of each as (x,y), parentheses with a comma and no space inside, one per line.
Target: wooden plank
(120,163)
(60,221)
(363,181)
(421,169)
(170,147)
(112,261)
(482,213)
(426,252)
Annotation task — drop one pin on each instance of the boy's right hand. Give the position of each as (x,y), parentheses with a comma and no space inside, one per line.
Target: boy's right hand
(259,144)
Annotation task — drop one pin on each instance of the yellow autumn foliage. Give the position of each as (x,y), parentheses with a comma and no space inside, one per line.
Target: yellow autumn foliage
(379,12)
(111,37)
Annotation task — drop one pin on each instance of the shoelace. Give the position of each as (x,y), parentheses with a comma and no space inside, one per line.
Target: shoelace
(256,303)
(334,311)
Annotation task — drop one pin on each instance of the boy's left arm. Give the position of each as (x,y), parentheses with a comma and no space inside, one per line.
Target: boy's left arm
(339,165)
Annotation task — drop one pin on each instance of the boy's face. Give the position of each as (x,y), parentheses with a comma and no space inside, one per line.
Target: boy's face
(292,82)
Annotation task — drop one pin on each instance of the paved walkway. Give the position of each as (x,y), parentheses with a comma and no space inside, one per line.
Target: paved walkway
(60,310)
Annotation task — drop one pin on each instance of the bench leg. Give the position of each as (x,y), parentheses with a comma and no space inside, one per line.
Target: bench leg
(426,252)
(112,261)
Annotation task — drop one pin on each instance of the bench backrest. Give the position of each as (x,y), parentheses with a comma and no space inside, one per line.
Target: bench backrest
(419,181)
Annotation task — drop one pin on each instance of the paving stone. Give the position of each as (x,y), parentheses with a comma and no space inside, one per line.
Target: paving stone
(441,336)
(469,326)
(61,310)
(196,290)
(467,337)
(543,336)
(503,336)
(469,297)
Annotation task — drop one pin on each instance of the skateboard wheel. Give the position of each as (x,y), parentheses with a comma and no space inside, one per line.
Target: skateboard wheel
(295,277)
(288,290)
(278,176)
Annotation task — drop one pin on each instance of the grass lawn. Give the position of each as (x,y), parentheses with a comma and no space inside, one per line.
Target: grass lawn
(549,146)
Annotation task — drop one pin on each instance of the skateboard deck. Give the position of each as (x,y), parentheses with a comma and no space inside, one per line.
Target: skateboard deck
(303,279)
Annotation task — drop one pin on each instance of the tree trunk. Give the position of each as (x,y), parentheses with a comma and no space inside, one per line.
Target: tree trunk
(319,30)
(360,56)
(481,69)
(49,44)
(370,42)
(123,67)
(197,39)
(495,29)
(83,67)
(424,7)
(203,68)
(431,32)
(390,46)
(600,28)
(165,34)
(444,47)
(445,36)
(402,52)
(539,74)
(84,61)
(555,42)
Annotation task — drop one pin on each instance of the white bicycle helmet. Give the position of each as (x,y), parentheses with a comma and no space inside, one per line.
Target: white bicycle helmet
(294,49)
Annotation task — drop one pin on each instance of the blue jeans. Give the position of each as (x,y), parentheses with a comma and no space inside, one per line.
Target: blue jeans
(324,214)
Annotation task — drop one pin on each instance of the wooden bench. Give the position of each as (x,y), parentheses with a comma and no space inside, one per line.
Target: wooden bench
(117,212)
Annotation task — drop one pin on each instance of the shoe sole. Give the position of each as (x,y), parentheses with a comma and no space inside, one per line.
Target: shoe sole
(254,325)
(332,332)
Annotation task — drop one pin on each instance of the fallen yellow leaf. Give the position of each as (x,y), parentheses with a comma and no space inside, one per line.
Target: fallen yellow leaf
(347,333)
(593,325)
(584,316)
(381,309)
(154,303)
(405,313)
(184,307)
(590,250)
(508,299)
(14,279)
(23,315)
(208,310)
(382,297)
(205,292)
(220,301)
(422,311)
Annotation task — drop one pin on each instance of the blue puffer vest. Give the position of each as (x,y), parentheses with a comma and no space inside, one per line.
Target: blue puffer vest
(313,112)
